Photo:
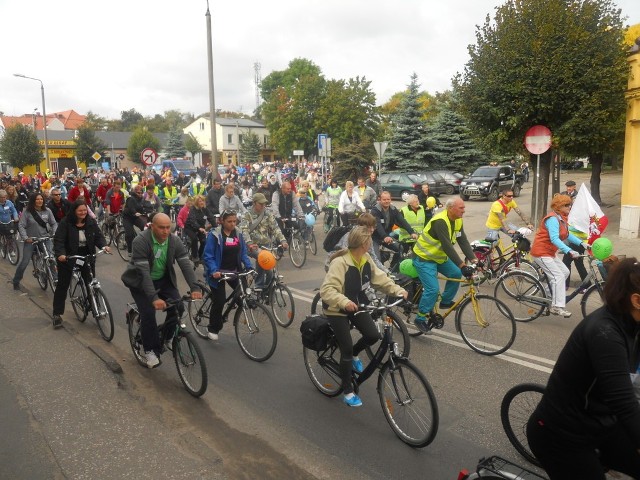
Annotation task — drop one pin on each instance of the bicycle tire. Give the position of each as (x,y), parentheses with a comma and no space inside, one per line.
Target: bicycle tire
(121,246)
(408,403)
(107,233)
(323,369)
(51,268)
(525,265)
(104,319)
(198,312)
(313,244)
(517,406)
(523,294)
(282,304)
(314,305)
(494,333)
(255,331)
(3,246)
(592,299)
(12,251)
(403,339)
(41,274)
(77,297)
(135,337)
(297,250)
(190,363)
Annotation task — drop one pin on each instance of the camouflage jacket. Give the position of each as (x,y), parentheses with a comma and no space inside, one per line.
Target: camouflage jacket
(265,233)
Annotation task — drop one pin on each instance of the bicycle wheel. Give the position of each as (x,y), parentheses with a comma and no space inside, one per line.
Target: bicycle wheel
(313,244)
(592,299)
(525,266)
(407,312)
(486,324)
(52,273)
(297,250)
(121,246)
(104,319)
(408,403)
(190,364)
(324,369)
(40,272)
(135,337)
(282,305)
(523,293)
(400,336)
(517,406)
(3,246)
(198,312)
(12,250)
(77,297)
(255,331)
(107,232)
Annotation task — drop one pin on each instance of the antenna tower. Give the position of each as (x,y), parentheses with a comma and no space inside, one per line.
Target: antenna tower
(257,80)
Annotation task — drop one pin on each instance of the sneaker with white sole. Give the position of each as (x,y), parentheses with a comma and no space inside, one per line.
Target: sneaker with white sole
(212,336)
(152,359)
(356,364)
(352,400)
(560,311)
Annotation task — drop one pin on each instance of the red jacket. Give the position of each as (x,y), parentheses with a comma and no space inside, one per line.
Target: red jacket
(101,192)
(74,193)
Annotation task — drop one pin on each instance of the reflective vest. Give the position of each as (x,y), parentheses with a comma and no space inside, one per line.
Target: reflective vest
(198,189)
(333,196)
(169,195)
(135,180)
(415,219)
(429,248)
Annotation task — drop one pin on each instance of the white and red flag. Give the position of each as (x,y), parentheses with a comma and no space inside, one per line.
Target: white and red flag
(587,216)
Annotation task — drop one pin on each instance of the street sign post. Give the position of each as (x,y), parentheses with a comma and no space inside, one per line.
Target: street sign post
(380,148)
(537,141)
(148,156)
(96,156)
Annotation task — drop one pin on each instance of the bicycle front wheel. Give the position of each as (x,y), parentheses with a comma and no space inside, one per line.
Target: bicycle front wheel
(190,364)
(400,336)
(313,244)
(3,246)
(104,315)
(523,293)
(52,272)
(486,324)
(255,331)
(592,299)
(324,369)
(12,250)
(77,297)
(282,304)
(517,406)
(297,250)
(107,233)
(135,337)
(408,403)
(198,311)
(121,246)
(40,271)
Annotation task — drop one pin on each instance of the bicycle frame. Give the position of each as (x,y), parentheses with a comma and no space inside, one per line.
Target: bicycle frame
(93,285)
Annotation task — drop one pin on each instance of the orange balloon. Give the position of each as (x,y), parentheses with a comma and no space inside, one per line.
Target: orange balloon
(266,260)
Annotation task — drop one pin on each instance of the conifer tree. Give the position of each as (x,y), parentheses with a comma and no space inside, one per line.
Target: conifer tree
(453,143)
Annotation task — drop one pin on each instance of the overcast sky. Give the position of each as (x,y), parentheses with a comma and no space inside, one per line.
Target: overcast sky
(151,55)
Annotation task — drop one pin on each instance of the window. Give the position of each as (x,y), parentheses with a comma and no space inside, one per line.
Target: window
(266,140)
(201,125)
(230,138)
(240,139)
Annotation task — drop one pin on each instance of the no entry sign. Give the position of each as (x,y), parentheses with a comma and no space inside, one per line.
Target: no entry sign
(537,140)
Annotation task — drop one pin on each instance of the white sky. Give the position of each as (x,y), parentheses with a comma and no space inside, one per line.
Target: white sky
(151,55)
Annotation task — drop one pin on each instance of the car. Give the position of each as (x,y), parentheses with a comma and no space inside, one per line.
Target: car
(453,180)
(488,181)
(400,184)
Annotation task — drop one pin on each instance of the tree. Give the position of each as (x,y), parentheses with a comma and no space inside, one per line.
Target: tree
(351,160)
(19,146)
(550,62)
(87,143)
(139,140)
(95,121)
(250,147)
(192,145)
(175,146)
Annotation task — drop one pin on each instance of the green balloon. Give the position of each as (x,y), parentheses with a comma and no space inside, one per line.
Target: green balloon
(407,268)
(601,248)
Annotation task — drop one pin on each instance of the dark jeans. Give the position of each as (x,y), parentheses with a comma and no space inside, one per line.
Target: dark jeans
(328,216)
(27,253)
(195,237)
(393,246)
(263,277)
(218,296)
(129,233)
(148,325)
(579,262)
(342,329)
(65,272)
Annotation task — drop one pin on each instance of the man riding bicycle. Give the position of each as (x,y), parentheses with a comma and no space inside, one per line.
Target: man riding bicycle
(497,219)
(332,196)
(284,204)
(435,254)
(387,216)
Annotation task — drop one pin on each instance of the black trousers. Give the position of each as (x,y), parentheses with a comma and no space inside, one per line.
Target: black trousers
(65,272)
(579,262)
(218,297)
(128,224)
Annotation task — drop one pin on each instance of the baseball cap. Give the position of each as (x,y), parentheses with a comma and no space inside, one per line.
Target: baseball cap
(259,198)
(570,183)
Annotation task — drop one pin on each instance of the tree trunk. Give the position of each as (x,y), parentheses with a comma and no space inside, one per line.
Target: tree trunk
(614,162)
(539,198)
(596,168)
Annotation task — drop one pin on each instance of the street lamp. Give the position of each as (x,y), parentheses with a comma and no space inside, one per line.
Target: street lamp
(44,117)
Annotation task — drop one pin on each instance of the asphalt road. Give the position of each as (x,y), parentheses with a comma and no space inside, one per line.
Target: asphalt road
(269,414)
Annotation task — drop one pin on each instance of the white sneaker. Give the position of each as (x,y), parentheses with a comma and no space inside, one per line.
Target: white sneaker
(152,359)
(212,336)
(560,311)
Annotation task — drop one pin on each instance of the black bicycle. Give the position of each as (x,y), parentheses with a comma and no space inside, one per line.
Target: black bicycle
(277,295)
(173,335)
(406,398)
(44,264)
(297,247)
(8,243)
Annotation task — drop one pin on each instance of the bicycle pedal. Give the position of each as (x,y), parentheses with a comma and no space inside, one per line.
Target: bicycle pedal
(436,320)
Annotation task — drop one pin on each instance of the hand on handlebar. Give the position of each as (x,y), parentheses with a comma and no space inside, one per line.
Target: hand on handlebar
(351,307)
(62,258)
(216,275)
(159,304)
(196,295)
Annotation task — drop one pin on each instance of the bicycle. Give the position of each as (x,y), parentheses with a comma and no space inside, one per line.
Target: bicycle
(254,326)
(387,254)
(406,398)
(489,328)
(173,335)
(333,221)
(529,297)
(90,298)
(497,468)
(8,244)
(297,247)
(496,260)
(111,227)
(277,295)
(44,264)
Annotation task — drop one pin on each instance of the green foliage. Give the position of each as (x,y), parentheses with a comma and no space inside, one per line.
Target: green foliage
(139,140)
(351,161)
(192,145)
(250,147)
(19,146)
(95,122)
(175,146)
(87,144)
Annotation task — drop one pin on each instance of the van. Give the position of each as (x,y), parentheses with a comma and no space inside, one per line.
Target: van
(176,165)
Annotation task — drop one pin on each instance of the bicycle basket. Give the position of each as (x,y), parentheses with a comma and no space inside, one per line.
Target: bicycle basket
(523,244)
(7,230)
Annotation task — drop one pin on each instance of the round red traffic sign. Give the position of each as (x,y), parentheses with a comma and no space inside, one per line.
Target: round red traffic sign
(537,140)
(148,156)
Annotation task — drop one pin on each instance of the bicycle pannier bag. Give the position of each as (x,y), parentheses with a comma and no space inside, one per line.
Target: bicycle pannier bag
(333,237)
(315,332)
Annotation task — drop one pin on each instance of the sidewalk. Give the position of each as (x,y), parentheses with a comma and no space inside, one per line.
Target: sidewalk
(64,415)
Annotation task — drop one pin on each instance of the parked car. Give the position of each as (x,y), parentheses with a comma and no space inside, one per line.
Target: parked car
(399,184)
(487,182)
(453,180)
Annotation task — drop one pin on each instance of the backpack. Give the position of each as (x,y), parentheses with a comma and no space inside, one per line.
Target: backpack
(333,237)
(315,332)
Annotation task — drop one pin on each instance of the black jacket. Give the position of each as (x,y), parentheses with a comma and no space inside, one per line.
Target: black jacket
(60,210)
(132,206)
(197,219)
(66,240)
(213,201)
(382,228)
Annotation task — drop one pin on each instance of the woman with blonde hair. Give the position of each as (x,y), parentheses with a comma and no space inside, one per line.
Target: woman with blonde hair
(351,271)
(349,203)
(552,233)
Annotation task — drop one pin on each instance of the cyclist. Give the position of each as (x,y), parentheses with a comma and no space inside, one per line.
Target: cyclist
(77,234)
(349,203)
(213,198)
(497,219)
(36,221)
(231,201)
(260,228)
(168,193)
(351,272)
(590,402)
(195,227)
(151,278)
(59,206)
(435,253)
(225,250)
(114,199)
(8,213)
(415,216)
(423,196)
(133,214)
(387,216)
(197,186)
(284,204)
(265,189)
(150,200)
(332,196)
(374,183)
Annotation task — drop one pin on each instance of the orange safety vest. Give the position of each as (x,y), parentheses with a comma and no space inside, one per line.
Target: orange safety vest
(542,245)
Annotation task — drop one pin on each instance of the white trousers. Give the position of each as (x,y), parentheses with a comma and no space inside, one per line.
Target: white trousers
(558,274)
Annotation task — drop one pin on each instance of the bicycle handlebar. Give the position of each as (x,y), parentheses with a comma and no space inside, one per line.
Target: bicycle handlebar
(233,275)
(84,257)
(373,308)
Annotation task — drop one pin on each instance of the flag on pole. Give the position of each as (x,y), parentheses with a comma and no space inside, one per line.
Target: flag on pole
(587,216)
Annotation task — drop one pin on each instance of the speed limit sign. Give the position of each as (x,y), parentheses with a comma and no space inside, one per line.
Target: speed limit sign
(148,156)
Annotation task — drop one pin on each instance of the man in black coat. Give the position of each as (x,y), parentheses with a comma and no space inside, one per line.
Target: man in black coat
(58,205)
(386,217)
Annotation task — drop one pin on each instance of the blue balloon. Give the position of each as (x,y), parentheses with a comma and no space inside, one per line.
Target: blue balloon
(309,219)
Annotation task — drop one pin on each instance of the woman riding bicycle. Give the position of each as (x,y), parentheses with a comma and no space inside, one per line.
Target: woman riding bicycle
(589,402)
(225,251)
(351,272)
(195,227)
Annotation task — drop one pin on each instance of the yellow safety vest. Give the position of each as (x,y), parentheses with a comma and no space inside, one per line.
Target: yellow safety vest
(429,248)
(134,180)
(415,219)
(168,196)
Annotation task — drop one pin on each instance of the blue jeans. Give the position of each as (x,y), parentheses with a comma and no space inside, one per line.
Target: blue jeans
(428,274)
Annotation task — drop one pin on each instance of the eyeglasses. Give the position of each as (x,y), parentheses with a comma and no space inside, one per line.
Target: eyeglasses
(508,196)
(567,205)
(228,213)
(56,194)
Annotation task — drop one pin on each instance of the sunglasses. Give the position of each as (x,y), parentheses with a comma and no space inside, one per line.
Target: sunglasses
(508,196)
(229,213)
(56,194)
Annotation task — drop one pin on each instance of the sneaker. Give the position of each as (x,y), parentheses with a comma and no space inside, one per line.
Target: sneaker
(560,311)
(356,364)
(352,400)
(446,306)
(16,286)
(151,359)
(421,324)
(57,321)
(212,336)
